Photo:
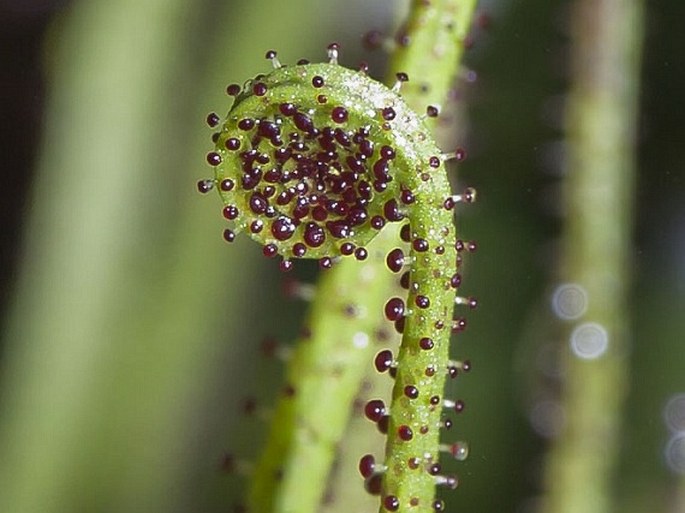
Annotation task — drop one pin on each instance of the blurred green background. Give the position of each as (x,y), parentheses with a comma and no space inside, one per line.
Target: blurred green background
(130,331)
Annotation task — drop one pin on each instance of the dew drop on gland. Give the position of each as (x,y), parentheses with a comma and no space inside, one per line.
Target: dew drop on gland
(367,464)
(450,482)
(212,119)
(374,410)
(213,158)
(377,222)
(431,111)
(426,343)
(413,463)
(282,228)
(230,212)
(395,260)
(259,89)
(458,325)
(407,197)
(268,130)
(392,211)
(299,249)
(383,424)
(317,81)
(232,144)
(420,245)
(229,235)
(435,400)
(366,147)
(459,451)
(325,263)
(339,229)
(284,198)
(434,469)
(347,248)
(379,185)
(405,233)
(466,365)
(383,360)
(388,113)
(455,281)
(381,170)
(434,162)
(387,152)
(404,280)
(286,266)
(256,226)
(314,235)
(391,503)
(204,186)
(258,203)
(394,309)
(399,325)
(246,124)
(303,122)
(287,108)
(361,254)
(422,301)
(439,505)
(405,433)
(373,484)
(270,250)
(411,391)
(233,90)
(339,114)
(469,195)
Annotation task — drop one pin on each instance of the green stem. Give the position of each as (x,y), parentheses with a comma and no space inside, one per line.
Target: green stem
(601,122)
(327,366)
(436,34)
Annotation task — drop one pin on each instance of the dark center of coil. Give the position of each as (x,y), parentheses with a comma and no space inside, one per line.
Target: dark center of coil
(310,178)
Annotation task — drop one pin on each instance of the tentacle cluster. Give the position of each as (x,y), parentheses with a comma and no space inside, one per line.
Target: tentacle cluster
(306,160)
(311,161)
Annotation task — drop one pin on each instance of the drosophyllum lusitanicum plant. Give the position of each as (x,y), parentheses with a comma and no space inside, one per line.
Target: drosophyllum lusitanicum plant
(317,160)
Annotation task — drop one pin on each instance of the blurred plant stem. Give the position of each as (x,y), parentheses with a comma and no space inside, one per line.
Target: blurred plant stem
(128,297)
(601,119)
